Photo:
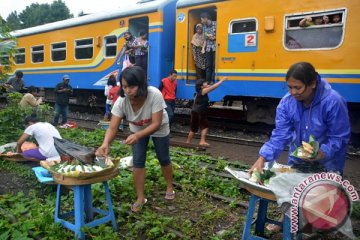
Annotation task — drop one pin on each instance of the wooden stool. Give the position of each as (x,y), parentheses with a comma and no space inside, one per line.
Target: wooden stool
(83,212)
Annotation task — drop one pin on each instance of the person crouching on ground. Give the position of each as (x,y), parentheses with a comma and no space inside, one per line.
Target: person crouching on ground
(29,100)
(144,108)
(44,134)
(199,110)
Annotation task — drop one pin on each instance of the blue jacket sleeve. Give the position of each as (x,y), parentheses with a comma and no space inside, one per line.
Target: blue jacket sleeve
(280,136)
(338,124)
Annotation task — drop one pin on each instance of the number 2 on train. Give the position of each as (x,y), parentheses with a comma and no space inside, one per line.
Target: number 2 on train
(250,40)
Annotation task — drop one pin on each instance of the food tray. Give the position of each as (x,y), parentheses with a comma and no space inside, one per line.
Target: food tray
(85,175)
(17,157)
(71,181)
(254,188)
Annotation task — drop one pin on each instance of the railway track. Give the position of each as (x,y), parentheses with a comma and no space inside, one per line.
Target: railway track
(249,138)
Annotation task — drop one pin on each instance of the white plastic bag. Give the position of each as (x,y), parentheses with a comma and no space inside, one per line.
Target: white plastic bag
(126,62)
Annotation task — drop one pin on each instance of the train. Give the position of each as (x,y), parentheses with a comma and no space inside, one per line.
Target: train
(256,42)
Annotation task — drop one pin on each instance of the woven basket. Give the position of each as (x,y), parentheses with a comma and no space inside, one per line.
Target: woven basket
(84,175)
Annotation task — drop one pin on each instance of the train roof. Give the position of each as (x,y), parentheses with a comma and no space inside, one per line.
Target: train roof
(188,3)
(141,7)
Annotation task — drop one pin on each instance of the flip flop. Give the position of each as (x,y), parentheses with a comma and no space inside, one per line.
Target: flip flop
(170,196)
(136,207)
(204,145)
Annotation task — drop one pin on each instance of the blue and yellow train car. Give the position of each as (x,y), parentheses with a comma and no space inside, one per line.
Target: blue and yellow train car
(87,48)
(257,41)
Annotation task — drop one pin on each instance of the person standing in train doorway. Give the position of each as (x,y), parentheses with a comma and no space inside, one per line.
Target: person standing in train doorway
(141,45)
(63,92)
(168,87)
(210,38)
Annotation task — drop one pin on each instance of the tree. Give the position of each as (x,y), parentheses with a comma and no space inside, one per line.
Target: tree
(7,48)
(38,14)
(13,21)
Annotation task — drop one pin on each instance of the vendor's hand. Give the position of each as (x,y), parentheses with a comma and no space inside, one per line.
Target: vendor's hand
(203,51)
(103,150)
(259,165)
(132,139)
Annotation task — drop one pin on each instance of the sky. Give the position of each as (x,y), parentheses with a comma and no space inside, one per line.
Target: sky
(75,6)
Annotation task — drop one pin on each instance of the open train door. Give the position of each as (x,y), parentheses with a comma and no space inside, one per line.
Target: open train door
(193,20)
(138,25)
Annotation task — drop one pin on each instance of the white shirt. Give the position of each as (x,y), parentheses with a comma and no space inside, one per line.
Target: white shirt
(142,118)
(44,134)
(106,93)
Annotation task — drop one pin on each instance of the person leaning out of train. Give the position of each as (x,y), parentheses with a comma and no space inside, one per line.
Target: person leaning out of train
(168,88)
(308,21)
(210,38)
(44,134)
(16,83)
(128,47)
(199,110)
(311,107)
(63,92)
(144,108)
(29,99)
(198,45)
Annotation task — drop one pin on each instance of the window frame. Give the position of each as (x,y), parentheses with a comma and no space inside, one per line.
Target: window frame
(296,16)
(32,51)
(5,56)
(58,49)
(110,45)
(83,46)
(17,53)
(231,23)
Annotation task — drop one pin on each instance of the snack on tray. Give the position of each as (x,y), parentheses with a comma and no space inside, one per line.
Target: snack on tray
(77,169)
(307,150)
(261,178)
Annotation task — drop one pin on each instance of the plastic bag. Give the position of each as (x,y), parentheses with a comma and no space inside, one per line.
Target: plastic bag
(288,189)
(74,150)
(126,62)
(302,152)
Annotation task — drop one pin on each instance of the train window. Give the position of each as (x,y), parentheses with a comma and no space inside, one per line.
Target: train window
(37,54)
(58,51)
(4,58)
(84,48)
(242,26)
(19,56)
(110,46)
(315,30)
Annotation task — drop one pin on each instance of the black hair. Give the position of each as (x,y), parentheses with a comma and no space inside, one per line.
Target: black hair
(19,74)
(32,118)
(304,72)
(205,15)
(32,89)
(111,80)
(173,71)
(134,76)
(128,32)
(142,33)
(198,84)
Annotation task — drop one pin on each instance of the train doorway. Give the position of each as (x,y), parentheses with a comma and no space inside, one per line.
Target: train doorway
(138,27)
(196,69)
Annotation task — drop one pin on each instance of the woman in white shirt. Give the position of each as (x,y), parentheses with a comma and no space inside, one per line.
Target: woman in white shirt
(144,109)
(44,134)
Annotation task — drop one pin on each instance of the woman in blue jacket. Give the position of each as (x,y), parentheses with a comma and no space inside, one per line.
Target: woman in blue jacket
(311,107)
